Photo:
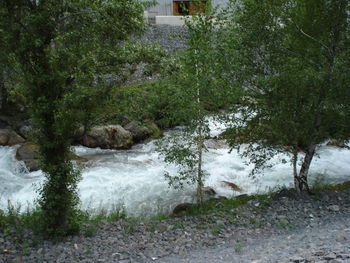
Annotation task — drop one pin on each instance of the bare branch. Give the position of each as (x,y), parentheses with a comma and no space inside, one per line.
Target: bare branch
(310,37)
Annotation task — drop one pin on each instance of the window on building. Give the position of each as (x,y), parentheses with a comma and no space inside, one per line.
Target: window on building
(184,8)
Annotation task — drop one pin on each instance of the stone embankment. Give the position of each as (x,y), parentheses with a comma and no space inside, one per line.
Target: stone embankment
(282,228)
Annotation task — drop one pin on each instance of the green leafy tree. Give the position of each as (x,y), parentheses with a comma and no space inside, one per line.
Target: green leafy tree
(293,64)
(195,87)
(59,52)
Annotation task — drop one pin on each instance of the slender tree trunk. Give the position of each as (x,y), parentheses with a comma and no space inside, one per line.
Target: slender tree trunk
(295,160)
(200,161)
(301,180)
(200,141)
(3,94)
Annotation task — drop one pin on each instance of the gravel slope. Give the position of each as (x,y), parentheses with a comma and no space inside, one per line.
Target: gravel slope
(284,228)
(328,242)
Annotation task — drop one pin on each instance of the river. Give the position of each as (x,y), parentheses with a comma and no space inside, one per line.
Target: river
(134,178)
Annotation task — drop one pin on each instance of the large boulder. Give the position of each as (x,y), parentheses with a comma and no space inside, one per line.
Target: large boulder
(29,154)
(139,133)
(25,129)
(154,129)
(108,137)
(4,122)
(9,137)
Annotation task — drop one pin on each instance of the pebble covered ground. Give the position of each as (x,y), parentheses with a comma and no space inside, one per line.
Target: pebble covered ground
(171,38)
(283,228)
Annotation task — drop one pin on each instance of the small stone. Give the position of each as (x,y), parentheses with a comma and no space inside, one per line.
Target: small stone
(334,208)
(330,256)
(343,256)
(297,259)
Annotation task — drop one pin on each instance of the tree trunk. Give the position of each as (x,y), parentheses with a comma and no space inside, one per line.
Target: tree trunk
(3,94)
(301,182)
(295,160)
(199,168)
(200,139)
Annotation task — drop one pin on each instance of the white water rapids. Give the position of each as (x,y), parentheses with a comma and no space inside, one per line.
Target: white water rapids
(134,178)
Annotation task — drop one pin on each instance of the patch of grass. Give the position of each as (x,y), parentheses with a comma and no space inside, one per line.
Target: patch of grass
(284,223)
(105,215)
(338,187)
(239,247)
(90,230)
(15,224)
(159,217)
(264,201)
(151,225)
(216,230)
(253,220)
(211,206)
(202,226)
(129,227)
(179,224)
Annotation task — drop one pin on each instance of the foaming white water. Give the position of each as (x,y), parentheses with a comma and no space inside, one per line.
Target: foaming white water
(17,185)
(134,178)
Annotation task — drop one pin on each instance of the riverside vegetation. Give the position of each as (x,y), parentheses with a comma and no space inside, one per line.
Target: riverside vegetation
(254,63)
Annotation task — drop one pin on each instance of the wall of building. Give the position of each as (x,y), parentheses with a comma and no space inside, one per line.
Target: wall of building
(165,7)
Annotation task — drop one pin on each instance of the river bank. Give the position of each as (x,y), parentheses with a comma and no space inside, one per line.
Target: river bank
(227,232)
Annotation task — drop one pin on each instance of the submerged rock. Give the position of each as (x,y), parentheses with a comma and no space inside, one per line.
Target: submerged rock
(208,191)
(233,186)
(108,137)
(29,154)
(181,209)
(9,137)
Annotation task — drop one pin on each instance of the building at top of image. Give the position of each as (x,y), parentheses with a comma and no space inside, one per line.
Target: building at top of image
(172,11)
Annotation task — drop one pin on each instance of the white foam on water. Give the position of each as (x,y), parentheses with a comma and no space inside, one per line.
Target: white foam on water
(134,178)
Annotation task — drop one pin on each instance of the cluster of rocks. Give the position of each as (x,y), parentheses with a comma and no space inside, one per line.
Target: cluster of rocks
(281,228)
(13,132)
(105,137)
(324,256)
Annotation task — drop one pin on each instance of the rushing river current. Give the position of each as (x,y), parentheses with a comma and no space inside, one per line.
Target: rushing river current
(134,178)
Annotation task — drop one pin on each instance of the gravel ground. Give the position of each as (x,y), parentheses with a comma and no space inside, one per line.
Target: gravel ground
(172,38)
(283,228)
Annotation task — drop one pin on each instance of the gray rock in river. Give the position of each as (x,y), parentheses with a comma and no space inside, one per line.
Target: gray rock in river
(139,133)
(9,137)
(28,153)
(108,137)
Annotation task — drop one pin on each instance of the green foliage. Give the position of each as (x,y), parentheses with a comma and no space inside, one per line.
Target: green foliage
(292,60)
(64,50)
(196,87)
(104,215)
